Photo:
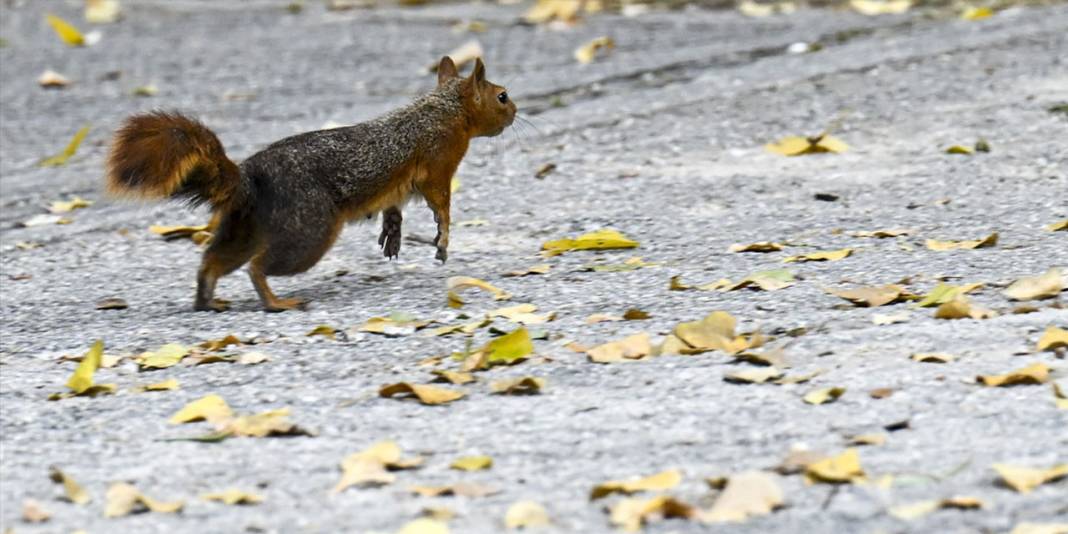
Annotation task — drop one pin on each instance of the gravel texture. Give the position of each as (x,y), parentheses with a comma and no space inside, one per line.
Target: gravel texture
(662,140)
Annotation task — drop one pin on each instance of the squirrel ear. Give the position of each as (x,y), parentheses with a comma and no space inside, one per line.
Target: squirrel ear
(478,74)
(446,70)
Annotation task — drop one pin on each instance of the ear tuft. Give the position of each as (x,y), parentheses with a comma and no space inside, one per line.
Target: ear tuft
(478,74)
(446,70)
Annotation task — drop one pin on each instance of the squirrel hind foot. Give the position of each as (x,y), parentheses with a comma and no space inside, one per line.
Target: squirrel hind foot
(214,305)
(281,305)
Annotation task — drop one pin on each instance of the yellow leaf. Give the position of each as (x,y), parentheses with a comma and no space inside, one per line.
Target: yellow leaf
(714,332)
(1040,528)
(166,385)
(74,492)
(1059,226)
(1052,339)
(943,293)
(429,395)
(977,13)
(124,499)
(527,385)
(753,376)
(598,240)
(233,496)
(549,10)
(472,463)
(1034,374)
(211,408)
(658,482)
(603,318)
(102,11)
(166,356)
(397,324)
(1060,397)
(630,514)
(829,255)
(932,357)
(424,525)
(962,308)
(823,396)
(837,469)
(522,314)
(633,347)
(748,494)
(324,330)
(526,515)
(588,52)
(68,152)
(1044,286)
(82,379)
(871,296)
(453,377)
(269,423)
(461,489)
(882,234)
(66,206)
(985,242)
(1025,479)
(919,509)
(796,146)
(66,31)
(509,348)
(214,345)
(177,232)
(880,7)
(541,268)
(372,465)
(959,149)
(760,246)
(466,328)
(462,282)
(868,439)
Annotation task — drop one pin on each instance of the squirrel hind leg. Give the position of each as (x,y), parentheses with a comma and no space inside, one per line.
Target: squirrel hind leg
(271,302)
(233,244)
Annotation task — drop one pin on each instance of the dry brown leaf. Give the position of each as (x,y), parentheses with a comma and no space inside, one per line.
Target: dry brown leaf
(456,283)
(324,330)
(634,314)
(771,357)
(827,255)
(748,494)
(659,482)
(1047,285)
(760,246)
(214,345)
(1052,339)
(883,319)
(633,347)
(602,318)
(73,491)
(397,324)
(837,469)
(1060,397)
(461,56)
(177,232)
(527,385)
(526,515)
(112,303)
(1024,479)
(124,499)
(985,242)
(916,510)
(630,513)
(932,357)
(871,296)
(168,355)
(252,358)
(428,395)
(824,395)
(604,239)
(1034,374)
(714,332)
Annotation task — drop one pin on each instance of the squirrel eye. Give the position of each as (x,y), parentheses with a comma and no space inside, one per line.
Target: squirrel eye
(502,97)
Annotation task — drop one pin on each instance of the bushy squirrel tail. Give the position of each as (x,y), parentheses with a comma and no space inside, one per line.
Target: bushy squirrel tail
(168,155)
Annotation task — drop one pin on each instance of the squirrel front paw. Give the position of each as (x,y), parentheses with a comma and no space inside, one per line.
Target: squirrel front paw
(390,238)
(442,254)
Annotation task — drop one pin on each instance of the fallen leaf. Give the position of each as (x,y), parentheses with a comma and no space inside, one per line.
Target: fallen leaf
(211,408)
(823,396)
(797,146)
(527,385)
(177,232)
(872,8)
(167,385)
(526,515)
(880,319)
(603,318)
(630,264)
(455,283)
(977,13)
(233,496)
(544,11)
(634,314)
(962,308)
(714,332)
(52,79)
(439,513)
(588,52)
(264,424)
(454,300)
(72,147)
(985,242)
(882,234)
(837,469)
(44,219)
(932,357)
(397,324)
(919,509)
(324,330)
(1044,286)
(1059,226)
(112,303)
(598,240)
(960,149)
(633,347)
(659,482)
(871,296)
(1060,397)
(753,376)
(465,328)
(471,463)
(33,512)
(453,377)
(82,379)
(461,490)
(1040,528)
(102,11)
(676,284)
(630,514)
(868,439)
(545,170)
(252,358)
(145,90)
(124,499)
(943,293)
(424,525)
(541,268)
(166,356)
(428,395)
(65,30)
(772,280)
(747,494)
(881,393)
(759,246)
(73,491)
(372,466)
(1024,479)
(828,255)
(1034,374)
(522,314)
(462,55)
(508,349)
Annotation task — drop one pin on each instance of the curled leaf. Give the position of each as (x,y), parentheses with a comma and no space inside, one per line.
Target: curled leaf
(1047,285)
(527,385)
(985,242)
(456,283)
(1052,339)
(659,482)
(599,240)
(211,408)
(72,147)
(837,469)
(588,52)
(633,347)
(829,255)
(1034,374)
(429,395)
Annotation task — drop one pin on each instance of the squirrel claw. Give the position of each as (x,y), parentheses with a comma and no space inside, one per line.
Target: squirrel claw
(442,254)
(215,305)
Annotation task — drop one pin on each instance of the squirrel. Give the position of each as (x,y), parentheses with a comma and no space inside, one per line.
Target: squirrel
(281,209)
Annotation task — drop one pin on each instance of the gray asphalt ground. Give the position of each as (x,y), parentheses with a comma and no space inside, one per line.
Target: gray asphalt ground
(662,140)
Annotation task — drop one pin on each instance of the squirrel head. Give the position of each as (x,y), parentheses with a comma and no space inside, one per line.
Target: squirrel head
(487,105)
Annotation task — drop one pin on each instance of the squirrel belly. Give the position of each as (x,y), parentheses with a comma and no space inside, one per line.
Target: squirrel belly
(283,208)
